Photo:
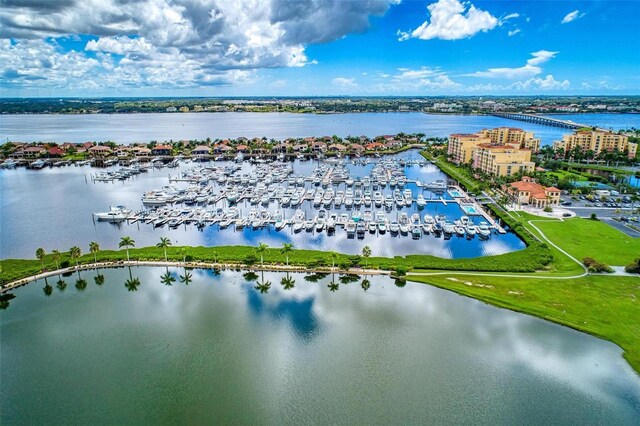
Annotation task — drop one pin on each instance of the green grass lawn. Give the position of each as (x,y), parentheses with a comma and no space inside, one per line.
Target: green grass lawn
(605,306)
(591,238)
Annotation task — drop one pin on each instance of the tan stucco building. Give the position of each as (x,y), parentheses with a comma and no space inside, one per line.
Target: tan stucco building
(502,160)
(596,141)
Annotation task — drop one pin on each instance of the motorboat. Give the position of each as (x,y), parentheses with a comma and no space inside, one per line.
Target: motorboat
(351,228)
(114,215)
(416,231)
(394,227)
(420,201)
(483,230)
(471,230)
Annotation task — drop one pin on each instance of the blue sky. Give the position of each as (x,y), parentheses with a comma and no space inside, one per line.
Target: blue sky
(318,47)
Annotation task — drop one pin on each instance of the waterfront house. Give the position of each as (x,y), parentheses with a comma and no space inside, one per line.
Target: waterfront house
(301,147)
(337,147)
(319,146)
(280,148)
(55,152)
(373,146)
(200,150)
(141,151)
(356,147)
(527,191)
(242,148)
(161,150)
(33,151)
(100,151)
(222,149)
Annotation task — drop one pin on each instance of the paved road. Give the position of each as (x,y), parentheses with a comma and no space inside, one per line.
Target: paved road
(621,227)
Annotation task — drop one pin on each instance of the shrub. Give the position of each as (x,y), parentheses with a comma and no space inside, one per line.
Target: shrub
(547,209)
(595,266)
(188,258)
(633,267)
(250,259)
(593,216)
(65,264)
(401,271)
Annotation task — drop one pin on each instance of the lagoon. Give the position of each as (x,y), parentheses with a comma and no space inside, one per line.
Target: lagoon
(217,350)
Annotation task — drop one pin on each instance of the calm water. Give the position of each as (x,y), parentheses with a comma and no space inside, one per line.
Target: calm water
(607,121)
(52,208)
(218,351)
(127,128)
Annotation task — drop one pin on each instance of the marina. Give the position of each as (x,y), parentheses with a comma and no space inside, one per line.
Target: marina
(378,196)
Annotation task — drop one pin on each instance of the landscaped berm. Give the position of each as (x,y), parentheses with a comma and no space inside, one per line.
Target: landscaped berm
(547,279)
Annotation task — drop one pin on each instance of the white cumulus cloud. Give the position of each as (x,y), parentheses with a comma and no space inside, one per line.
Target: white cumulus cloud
(175,42)
(344,82)
(453,20)
(572,16)
(530,69)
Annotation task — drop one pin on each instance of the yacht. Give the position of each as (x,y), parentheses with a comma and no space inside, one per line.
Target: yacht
(459,230)
(356,216)
(471,230)
(378,199)
(351,228)
(394,227)
(361,229)
(483,230)
(420,201)
(416,231)
(9,164)
(309,224)
(115,214)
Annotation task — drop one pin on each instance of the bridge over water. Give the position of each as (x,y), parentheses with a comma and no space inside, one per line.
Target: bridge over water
(538,119)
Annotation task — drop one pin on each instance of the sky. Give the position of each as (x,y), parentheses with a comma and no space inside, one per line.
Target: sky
(93,48)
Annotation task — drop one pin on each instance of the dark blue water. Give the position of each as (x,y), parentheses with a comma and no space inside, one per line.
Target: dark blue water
(52,208)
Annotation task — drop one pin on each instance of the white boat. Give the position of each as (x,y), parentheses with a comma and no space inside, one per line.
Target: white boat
(115,214)
(350,227)
(416,231)
(483,230)
(459,230)
(394,227)
(420,201)
(471,230)
(356,216)
(372,226)
(9,164)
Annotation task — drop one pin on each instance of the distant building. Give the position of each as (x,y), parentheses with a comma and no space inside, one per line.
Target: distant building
(596,141)
(512,136)
(529,192)
(100,151)
(502,160)
(171,109)
(161,150)
(200,150)
(184,109)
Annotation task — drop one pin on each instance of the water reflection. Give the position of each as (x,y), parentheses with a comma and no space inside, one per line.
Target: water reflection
(419,354)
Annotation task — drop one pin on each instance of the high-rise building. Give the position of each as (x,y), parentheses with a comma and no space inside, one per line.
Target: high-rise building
(596,141)
(512,136)
(502,160)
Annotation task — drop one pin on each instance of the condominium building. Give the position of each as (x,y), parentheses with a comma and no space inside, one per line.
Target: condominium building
(596,141)
(462,145)
(512,136)
(503,151)
(502,160)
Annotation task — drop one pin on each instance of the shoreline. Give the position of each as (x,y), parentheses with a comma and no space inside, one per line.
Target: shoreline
(12,285)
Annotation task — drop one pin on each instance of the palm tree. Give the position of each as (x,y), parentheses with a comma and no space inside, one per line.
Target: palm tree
(55,255)
(132,284)
(61,284)
(99,279)
(286,249)
(75,253)
(167,278)
(127,242)
(366,252)
(334,256)
(333,286)
(186,278)
(40,255)
(81,284)
(287,282)
(94,248)
(263,286)
(163,244)
(261,249)
(365,284)
(47,288)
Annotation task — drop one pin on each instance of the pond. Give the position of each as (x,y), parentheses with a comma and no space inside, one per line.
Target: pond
(218,350)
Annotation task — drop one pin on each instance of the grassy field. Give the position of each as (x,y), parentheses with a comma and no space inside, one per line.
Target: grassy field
(588,238)
(604,306)
(458,173)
